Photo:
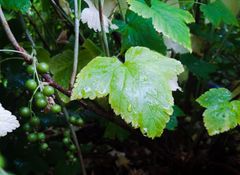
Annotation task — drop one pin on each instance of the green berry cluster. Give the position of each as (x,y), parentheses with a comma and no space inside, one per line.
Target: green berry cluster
(40,101)
(71,148)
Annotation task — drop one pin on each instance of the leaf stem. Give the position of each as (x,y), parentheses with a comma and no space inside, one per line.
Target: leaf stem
(104,35)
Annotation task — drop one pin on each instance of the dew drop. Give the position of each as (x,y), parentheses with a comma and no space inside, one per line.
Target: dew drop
(145,130)
(129,108)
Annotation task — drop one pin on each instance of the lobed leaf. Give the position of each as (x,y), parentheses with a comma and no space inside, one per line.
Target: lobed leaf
(169,20)
(139,89)
(220,115)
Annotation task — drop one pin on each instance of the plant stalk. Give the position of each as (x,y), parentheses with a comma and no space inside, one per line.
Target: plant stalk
(104,35)
(77,12)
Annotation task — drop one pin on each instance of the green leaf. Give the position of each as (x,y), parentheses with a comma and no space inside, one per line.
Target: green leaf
(220,115)
(214,96)
(133,32)
(19,5)
(140,89)
(217,13)
(169,20)
(197,66)
(173,122)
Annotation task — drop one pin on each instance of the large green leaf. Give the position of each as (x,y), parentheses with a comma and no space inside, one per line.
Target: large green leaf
(140,89)
(220,115)
(19,5)
(169,20)
(133,32)
(217,13)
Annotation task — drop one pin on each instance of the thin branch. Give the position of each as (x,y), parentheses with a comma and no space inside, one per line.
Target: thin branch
(77,12)
(104,35)
(52,83)
(65,17)
(11,36)
(61,13)
(75,142)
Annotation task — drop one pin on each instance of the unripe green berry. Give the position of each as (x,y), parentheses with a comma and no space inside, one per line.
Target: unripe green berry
(48,90)
(35,121)
(79,121)
(39,95)
(43,68)
(66,140)
(56,108)
(41,103)
(31,84)
(25,112)
(30,69)
(44,146)
(72,147)
(72,120)
(32,137)
(27,127)
(41,136)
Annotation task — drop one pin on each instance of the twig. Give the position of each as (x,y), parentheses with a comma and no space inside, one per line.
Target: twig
(11,37)
(104,35)
(77,12)
(61,13)
(52,83)
(65,17)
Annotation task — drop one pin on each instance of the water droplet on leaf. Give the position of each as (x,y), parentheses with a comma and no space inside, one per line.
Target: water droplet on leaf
(129,108)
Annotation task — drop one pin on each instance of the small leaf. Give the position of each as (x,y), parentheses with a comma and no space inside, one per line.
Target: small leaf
(217,13)
(220,115)
(169,20)
(8,122)
(139,89)
(214,96)
(19,5)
